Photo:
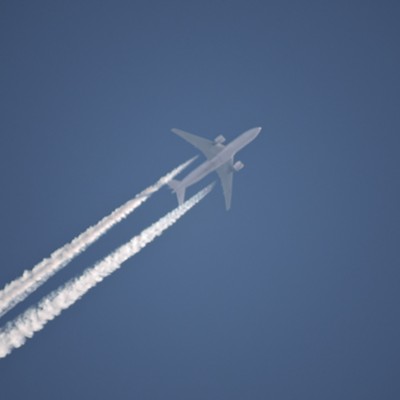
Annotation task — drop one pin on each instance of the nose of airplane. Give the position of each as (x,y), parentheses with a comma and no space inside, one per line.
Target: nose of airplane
(252,133)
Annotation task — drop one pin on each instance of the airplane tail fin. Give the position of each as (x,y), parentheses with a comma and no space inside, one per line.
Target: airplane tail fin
(176,187)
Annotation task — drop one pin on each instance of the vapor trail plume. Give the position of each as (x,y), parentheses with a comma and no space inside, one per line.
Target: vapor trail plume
(17,290)
(34,319)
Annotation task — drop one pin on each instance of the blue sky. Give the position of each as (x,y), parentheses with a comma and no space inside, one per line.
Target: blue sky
(293,293)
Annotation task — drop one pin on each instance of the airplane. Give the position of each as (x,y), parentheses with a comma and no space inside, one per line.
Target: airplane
(220,158)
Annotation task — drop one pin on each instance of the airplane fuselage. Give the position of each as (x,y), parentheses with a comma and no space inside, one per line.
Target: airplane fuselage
(226,154)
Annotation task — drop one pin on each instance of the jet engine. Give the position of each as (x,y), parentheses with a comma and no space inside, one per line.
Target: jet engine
(238,166)
(219,139)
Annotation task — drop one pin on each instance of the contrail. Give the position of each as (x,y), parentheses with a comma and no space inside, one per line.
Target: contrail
(17,290)
(16,332)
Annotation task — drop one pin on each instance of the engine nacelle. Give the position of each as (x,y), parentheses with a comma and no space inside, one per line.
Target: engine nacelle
(238,166)
(219,139)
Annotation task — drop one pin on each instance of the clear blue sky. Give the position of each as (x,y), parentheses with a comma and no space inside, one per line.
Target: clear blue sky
(293,293)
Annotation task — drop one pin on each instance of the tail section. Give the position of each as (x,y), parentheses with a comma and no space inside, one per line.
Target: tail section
(177,187)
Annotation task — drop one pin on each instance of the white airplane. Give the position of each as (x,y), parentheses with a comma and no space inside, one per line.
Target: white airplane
(220,158)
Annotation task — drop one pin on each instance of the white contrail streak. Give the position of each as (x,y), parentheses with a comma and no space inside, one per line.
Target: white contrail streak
(16,332)
(17,290)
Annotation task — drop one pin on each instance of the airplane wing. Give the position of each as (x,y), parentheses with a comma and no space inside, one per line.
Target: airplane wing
(225,173)
(207,147)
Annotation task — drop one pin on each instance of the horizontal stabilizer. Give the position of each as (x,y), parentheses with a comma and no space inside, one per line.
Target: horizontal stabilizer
(177,187)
